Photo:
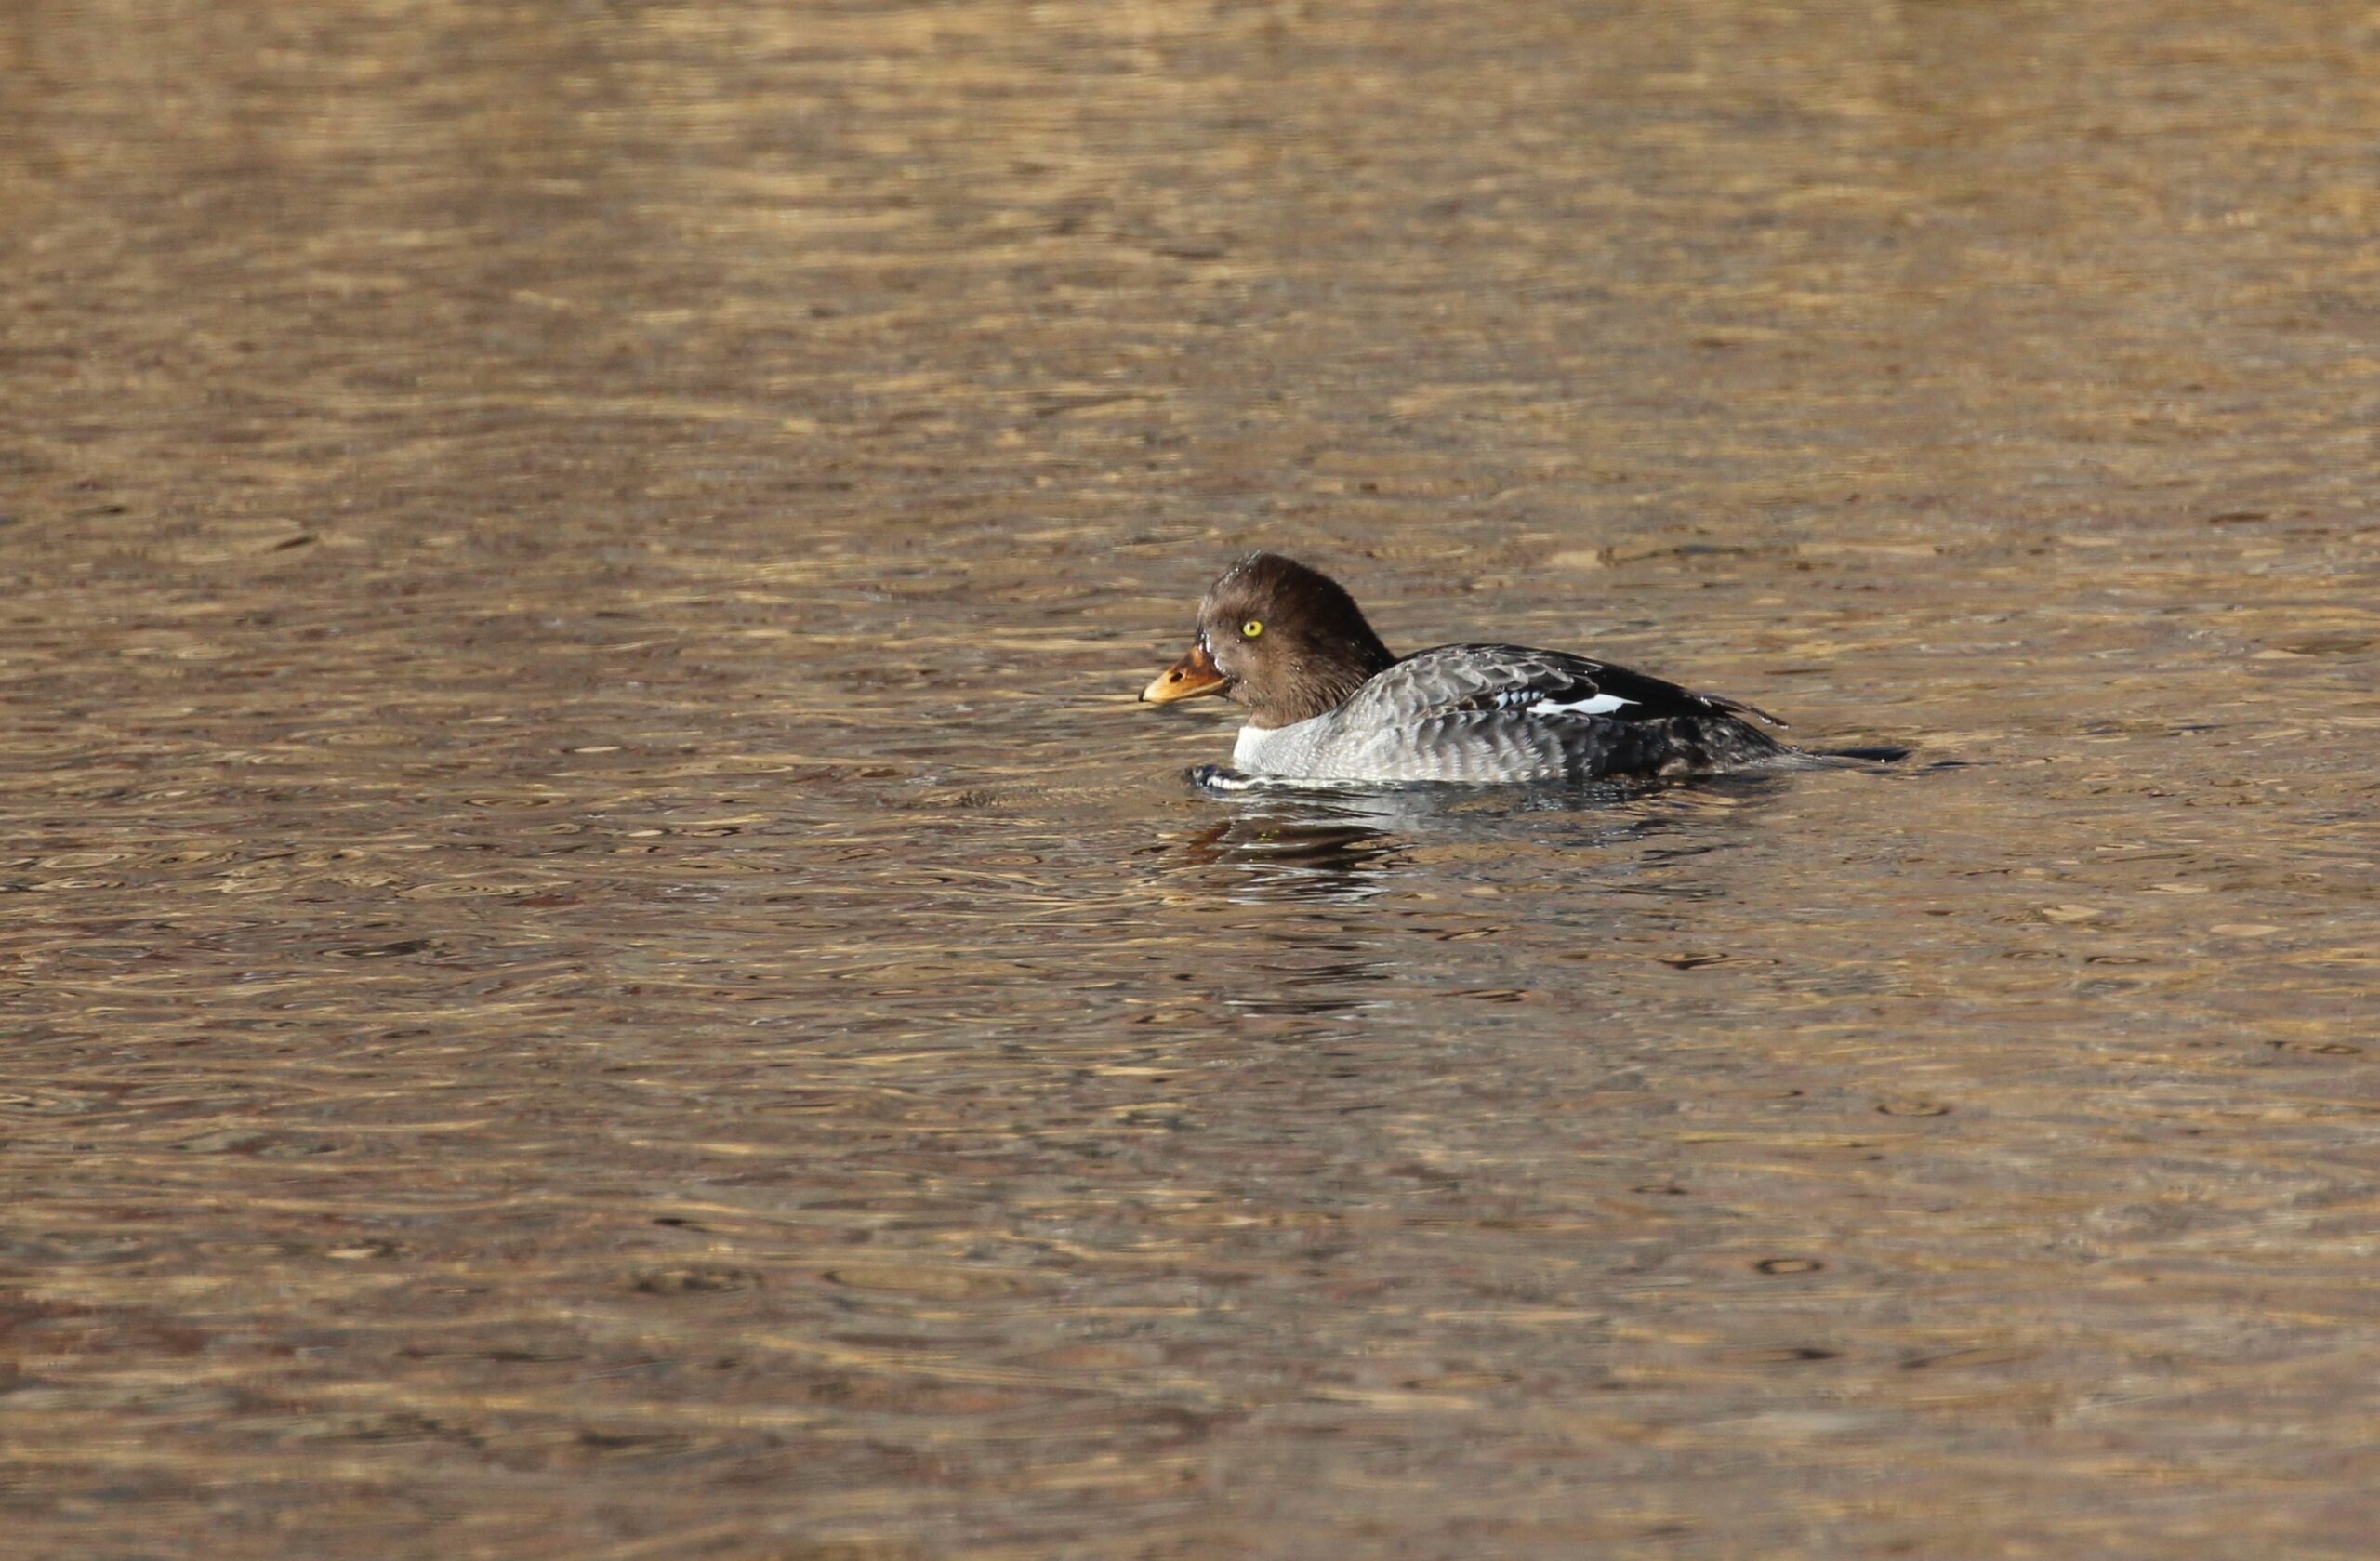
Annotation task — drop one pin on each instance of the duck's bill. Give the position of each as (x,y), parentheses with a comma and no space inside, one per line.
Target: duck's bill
(1193,675)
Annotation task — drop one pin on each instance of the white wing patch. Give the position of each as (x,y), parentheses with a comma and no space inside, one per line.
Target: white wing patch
(1600,705)
(1537,702)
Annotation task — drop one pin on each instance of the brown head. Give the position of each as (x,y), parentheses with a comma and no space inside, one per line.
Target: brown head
(1281,639)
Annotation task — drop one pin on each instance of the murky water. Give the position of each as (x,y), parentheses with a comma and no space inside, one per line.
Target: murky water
(601,965)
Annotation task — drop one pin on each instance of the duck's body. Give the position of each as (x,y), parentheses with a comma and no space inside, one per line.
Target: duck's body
(1504,713)
(1328,703)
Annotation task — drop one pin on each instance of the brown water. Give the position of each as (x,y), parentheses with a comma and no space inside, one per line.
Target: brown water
(600,964)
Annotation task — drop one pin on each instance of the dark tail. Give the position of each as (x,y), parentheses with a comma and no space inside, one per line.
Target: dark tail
(1878,755)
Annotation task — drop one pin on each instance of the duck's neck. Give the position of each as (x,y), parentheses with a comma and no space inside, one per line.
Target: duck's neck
(1316,682)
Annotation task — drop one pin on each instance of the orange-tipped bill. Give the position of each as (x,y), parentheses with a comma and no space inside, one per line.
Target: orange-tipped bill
(1193,675)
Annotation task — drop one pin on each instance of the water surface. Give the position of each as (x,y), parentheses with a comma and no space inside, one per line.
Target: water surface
(599,963)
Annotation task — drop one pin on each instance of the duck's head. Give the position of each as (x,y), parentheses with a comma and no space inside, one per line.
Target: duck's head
(1285,640)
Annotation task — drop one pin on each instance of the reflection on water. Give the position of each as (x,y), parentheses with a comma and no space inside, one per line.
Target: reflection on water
(596,962)
(1293,858)
(1342,845)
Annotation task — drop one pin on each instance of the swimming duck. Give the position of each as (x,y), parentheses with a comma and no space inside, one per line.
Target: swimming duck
(1328,702)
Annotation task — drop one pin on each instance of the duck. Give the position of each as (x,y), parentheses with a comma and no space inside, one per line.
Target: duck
(1328,703)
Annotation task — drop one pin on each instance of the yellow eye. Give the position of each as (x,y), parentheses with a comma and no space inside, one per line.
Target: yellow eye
(1251,629)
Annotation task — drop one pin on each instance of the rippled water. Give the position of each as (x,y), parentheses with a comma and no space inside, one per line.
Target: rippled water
(601,964)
